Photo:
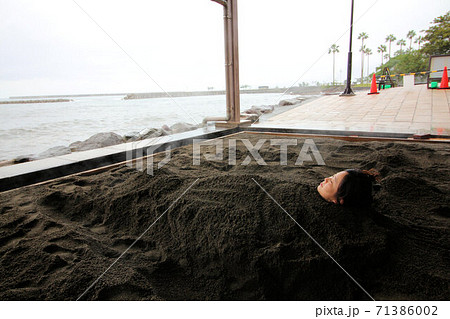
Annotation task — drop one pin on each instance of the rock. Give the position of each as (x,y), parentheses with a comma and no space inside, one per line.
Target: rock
(151,133)
(54,151)
(22,159)
(266,108)
(166,128)
(148,133)
(97,141)
(291,101)
(130,135)
(182,127)
(252,111)
(252,117)
(73,147)
(261,109)
(166,131)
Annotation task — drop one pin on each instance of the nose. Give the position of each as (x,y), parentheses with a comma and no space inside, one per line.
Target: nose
(327,179)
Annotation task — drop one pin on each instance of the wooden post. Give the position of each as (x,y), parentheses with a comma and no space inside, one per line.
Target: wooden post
(235,94)
(231,66)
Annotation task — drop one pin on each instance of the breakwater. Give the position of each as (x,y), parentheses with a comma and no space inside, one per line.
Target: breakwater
(151,95)
(35,101)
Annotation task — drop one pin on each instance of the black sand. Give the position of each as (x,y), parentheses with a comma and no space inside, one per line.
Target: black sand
(225,239)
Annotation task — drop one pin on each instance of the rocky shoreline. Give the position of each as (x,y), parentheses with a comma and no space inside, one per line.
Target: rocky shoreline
(105,139)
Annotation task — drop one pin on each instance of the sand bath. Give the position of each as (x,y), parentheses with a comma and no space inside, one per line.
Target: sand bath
(226,239)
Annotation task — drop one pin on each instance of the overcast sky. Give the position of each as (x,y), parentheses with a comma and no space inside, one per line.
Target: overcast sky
(53,47)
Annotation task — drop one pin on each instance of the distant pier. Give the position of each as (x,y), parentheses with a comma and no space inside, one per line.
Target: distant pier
(35,101)
(132,96)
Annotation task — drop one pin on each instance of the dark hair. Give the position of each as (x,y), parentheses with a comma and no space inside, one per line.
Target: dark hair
(356,187)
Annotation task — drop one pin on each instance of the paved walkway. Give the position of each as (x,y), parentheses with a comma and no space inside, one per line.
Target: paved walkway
(415,110)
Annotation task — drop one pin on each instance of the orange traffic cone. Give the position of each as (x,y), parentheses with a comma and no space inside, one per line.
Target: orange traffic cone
(373,87)
(444,80)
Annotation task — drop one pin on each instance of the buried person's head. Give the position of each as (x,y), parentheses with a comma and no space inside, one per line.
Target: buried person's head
(352,187)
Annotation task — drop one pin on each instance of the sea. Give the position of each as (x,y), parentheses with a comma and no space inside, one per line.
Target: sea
(29,129)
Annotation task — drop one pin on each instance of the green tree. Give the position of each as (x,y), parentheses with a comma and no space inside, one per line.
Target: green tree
(381,49)
(333,49)
(362,36)
(410,61)
(401,43)
(390,38)
(411,34)
(437,36)
(419,40)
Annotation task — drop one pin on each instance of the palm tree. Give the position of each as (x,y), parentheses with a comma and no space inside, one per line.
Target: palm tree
(368,52)
(389,39)
(401,43)
(363,36)
(419,40)
(381,49)
(362,50)
(333,49)
(411,34)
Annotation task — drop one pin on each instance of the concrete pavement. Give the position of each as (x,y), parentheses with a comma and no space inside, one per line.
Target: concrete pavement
(415,110)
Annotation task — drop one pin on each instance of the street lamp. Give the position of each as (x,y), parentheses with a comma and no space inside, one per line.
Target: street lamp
(348,90)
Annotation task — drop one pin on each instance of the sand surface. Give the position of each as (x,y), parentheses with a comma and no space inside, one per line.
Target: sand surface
(226,239)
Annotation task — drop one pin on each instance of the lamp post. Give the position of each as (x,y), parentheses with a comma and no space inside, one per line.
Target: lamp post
(348,90)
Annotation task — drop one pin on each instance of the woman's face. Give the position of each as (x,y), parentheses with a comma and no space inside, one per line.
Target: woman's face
(329,187)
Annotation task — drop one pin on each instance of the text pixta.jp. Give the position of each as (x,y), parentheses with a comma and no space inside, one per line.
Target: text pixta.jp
(214,150)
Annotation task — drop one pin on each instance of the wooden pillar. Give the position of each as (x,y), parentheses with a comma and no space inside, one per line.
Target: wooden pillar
(231,65)
(235,106)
